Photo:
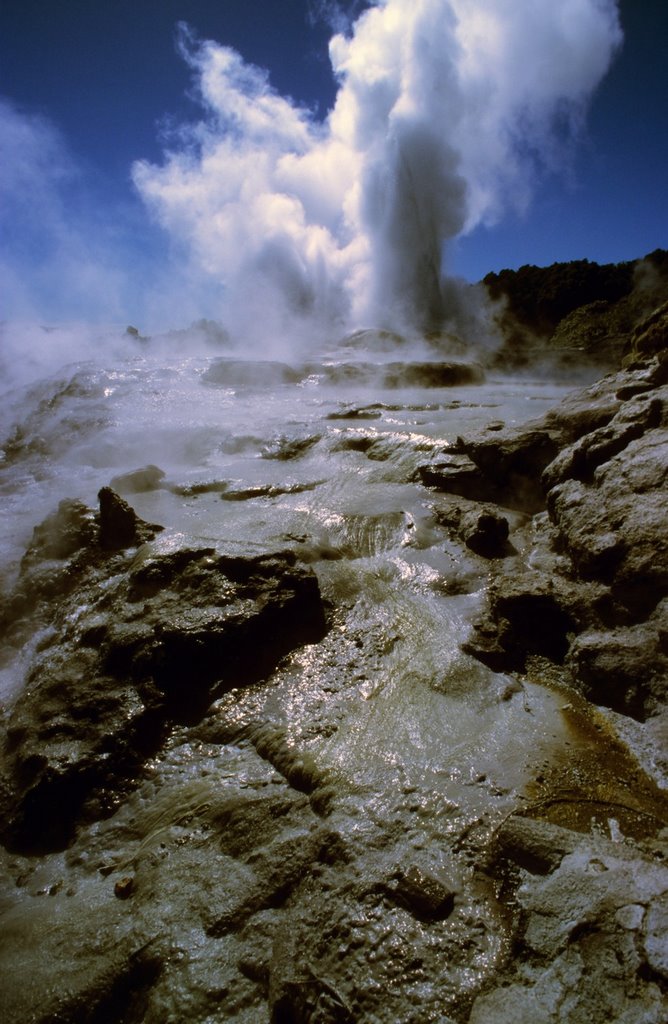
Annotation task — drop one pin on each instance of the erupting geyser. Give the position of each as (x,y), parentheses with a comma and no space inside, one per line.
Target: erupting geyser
(445,111)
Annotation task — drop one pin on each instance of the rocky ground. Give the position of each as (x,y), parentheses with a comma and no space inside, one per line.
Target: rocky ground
(172,853)
(593,595)
(592,601)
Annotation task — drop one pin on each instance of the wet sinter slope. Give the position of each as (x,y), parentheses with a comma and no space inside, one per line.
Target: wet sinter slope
(249,772)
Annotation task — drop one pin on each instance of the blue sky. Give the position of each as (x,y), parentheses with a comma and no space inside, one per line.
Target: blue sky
(88,88)
(615,205)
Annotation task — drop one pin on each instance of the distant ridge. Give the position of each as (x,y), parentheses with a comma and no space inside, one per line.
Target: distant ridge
(579,306)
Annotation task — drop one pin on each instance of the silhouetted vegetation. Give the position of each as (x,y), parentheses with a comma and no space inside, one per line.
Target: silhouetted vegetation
(609,298)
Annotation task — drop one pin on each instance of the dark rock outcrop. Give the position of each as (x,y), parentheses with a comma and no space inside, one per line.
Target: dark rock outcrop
(482,528)
(138,481)
(649,338)
(427,896)
(119,525)
(595,600)
(537,846)
(69,529)
(135,644)
(505,465)
(263,373)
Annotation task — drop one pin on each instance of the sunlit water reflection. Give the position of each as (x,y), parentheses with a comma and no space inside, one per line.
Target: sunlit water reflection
(329,472)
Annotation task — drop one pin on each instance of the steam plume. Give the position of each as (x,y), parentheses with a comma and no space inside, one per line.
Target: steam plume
(445,111)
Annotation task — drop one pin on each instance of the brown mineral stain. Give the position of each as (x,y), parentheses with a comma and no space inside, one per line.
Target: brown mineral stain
(595,781)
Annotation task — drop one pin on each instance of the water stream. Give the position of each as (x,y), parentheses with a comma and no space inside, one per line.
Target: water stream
(404,745)
(327,470)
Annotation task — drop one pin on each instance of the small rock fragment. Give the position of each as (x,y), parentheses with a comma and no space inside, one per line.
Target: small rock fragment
(484,531)
(425,895)
(537,846)
(148,478)
(124,887)
(656,935)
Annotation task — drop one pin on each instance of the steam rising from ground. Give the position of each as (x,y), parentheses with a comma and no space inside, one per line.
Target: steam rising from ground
(445,112)
(50,241)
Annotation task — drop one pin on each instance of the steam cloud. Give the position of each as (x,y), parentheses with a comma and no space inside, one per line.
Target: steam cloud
(50,243)
(446,110)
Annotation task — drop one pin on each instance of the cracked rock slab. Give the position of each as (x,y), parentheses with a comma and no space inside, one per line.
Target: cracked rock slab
(145,641)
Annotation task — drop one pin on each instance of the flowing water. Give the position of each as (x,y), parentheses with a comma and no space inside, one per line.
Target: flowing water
(409,742)
(323,463)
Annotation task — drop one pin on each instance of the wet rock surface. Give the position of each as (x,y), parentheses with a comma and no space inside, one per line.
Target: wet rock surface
(237,788)
(483,528)
(586,943)
(135,644)
(593,593)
